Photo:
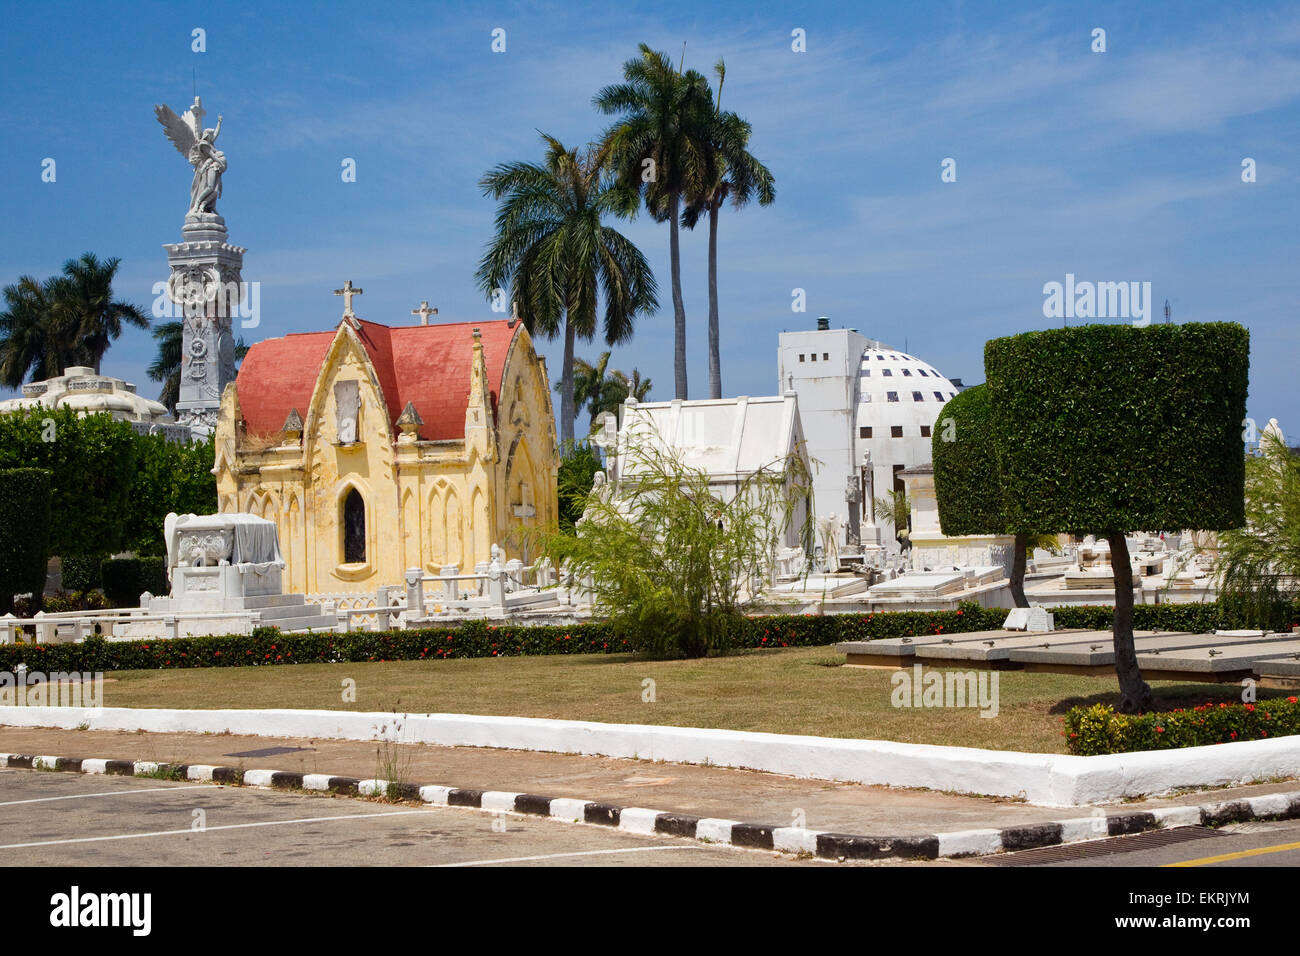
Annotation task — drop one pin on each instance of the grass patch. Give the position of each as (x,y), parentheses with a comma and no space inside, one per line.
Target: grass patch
(789,691)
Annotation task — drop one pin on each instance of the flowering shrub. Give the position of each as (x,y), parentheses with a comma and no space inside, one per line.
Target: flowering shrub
(1099,730)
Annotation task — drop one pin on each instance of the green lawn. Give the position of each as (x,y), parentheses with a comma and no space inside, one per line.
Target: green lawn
(794,691)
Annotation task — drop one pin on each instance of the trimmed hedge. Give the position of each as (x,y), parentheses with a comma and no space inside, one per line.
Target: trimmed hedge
(267,646)
(1106,428)
(125,579)
(111,487)
(967,482)
(1099,730)
(24,533)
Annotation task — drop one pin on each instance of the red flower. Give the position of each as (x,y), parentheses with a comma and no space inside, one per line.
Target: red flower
(1160,730)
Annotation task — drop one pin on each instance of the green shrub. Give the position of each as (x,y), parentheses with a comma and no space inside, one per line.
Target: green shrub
(1105,428)
(967,484)
(81,572)
(24,533)
(65,600)
(1099,730)
(111,487)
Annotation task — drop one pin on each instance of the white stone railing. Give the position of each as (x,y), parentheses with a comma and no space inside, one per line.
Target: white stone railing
(68,627)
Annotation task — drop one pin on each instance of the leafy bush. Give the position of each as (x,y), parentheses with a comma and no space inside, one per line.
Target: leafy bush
(24,533)
(111,487)
(576,473)
(1099,730)
(81,572)
(64,601)
(669,559)
(125,579)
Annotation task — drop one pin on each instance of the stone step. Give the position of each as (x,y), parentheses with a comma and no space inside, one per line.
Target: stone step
(292,610)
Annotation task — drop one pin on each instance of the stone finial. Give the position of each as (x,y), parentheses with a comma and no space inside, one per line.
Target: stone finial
(292,427)
(409,422)
(348,292)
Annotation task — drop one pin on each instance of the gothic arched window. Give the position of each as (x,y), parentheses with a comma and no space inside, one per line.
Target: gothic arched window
(354,528)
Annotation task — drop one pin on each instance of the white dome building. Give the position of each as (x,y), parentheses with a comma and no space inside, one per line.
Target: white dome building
(868,412)
(88,393)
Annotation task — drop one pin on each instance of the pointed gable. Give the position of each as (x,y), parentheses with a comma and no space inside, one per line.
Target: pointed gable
(427,366)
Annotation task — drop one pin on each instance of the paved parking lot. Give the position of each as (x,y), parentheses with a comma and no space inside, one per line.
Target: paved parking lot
(70,819)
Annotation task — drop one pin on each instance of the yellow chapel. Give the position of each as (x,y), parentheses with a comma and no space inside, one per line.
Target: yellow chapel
(379,448)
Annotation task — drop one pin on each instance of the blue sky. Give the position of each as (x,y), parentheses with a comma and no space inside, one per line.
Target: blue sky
(1115,166)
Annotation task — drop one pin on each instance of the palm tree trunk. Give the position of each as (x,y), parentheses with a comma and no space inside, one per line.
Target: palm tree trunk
(1018,571)
(566,386)
(1134,694)
(679,308)
(715,361)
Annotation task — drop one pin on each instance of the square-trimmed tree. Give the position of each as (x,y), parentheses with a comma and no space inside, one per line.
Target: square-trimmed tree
(968,478)
(1113,429)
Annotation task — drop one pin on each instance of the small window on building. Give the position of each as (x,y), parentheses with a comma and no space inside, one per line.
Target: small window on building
(907,372)
(812,356)
(826,356)
(354,528)
(892,396)
(922,371)
(895,431)
(880,358)
(925,431)
(938,396)
(864,431)
(918,397)
(887,371)
(801,357)
(866,373)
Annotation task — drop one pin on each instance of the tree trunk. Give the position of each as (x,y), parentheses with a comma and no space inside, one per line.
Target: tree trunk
(1134,694)
(715,360)
(567,411)
(679,308)
(1018,571)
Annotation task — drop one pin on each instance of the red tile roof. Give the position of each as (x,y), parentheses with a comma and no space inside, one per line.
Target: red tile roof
(425,364)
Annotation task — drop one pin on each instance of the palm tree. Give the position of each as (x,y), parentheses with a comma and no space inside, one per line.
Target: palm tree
(84,296)
(659,147)
(596,390)
(559,258)
(732,171)
(166,367)
(634,386)
(33,337)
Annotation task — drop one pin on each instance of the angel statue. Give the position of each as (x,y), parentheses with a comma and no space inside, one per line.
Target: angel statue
(198,145)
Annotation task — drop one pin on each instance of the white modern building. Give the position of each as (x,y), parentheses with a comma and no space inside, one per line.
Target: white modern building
(867,411)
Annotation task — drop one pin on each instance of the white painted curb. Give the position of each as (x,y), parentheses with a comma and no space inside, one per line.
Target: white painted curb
(1052,780)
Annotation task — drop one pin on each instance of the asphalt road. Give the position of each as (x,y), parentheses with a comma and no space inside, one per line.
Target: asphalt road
(67,819)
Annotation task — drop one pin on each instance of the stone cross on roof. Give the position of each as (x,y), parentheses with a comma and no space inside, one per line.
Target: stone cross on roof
(348,292)
(424,312)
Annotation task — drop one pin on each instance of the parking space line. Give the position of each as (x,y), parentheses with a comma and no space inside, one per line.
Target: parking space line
(379,815)
(556,856)
(111,793)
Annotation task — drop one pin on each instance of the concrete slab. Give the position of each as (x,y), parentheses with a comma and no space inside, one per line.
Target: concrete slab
(1227,659)
(1101,653)
(901,650)
(1001,649)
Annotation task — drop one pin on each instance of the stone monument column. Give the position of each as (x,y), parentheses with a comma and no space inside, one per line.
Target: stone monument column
(206,281)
